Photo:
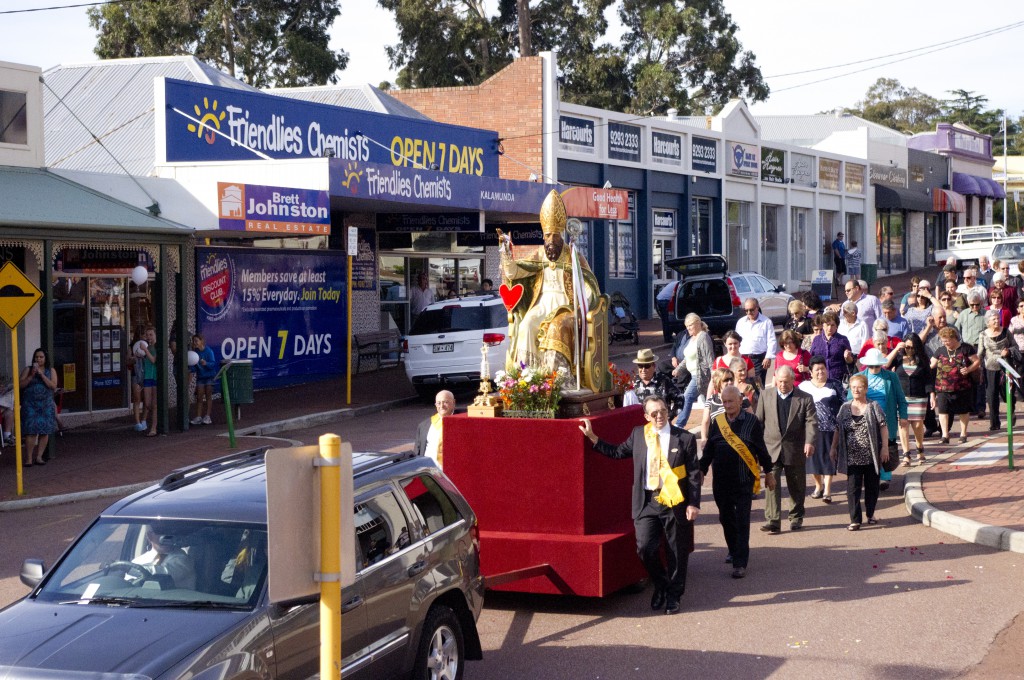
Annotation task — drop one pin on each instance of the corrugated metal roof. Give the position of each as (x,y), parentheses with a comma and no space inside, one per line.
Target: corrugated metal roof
(364,98)
(810,130)
(33,197)
(114,99)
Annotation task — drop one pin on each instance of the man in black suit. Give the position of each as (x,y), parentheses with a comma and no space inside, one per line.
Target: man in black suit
(428,433)
(735,448)
(666,497)
(790,424)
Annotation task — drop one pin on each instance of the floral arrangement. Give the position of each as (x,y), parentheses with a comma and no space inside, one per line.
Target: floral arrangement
(529,388)
(621,380)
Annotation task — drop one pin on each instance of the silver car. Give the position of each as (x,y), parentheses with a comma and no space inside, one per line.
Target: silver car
(172,583)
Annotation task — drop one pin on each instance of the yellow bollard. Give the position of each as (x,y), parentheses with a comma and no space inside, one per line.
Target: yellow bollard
(330,556)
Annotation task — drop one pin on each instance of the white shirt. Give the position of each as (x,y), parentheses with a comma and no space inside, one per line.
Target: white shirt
(758,336)
(966,290)
(420,298)
(856,333)
(663,435)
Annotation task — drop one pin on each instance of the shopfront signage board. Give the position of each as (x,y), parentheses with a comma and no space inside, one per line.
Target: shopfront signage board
(666,148)
(773,165)
(273,210)
(208,123)
(577,135)
(854,178)
(624,142)
(801,168)
(437,222)
(743,160)
(828,174)
(596,203)
(889,175)
(18,295)
(703,154)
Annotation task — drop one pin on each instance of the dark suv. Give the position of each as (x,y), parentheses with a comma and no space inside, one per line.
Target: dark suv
(171,583)
(707,288)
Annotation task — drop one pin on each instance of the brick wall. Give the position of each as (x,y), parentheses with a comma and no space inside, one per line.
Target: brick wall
(510,102)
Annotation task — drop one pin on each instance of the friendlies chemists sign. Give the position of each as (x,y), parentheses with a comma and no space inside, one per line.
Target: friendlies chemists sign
(207,123)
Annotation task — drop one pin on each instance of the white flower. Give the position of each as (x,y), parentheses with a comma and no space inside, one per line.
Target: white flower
(527,375)
(499,376)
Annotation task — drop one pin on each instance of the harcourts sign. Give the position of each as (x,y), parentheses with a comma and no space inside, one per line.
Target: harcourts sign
(666,148)
(249,207)
(576,134)
(206,123)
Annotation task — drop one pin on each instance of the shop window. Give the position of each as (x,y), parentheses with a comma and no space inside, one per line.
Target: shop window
(13,118)
(737,222)
(770,241)
(798,245)
(829,224)
(621,241)
(700,226)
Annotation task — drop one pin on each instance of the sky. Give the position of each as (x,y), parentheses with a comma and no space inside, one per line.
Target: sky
(785,35)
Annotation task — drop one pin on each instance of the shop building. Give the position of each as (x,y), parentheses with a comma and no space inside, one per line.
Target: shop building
(695,184)
(971,161)
(275,183)
(81,245)
(910,200)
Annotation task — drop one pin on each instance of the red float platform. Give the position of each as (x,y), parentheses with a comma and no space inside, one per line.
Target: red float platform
(554,514)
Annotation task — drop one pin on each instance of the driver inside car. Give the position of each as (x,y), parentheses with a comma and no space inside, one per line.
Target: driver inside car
(164,557)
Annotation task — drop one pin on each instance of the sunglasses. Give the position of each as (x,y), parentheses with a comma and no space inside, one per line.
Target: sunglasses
(641,366)
(944,299)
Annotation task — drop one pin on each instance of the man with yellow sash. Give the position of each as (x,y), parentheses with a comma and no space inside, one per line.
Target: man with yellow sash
(428,435)
(666,497)
(736,453)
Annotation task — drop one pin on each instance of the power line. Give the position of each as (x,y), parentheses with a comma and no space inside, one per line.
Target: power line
(894,61)
(75,6)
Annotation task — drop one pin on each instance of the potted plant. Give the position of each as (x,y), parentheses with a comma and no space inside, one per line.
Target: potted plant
(529,391)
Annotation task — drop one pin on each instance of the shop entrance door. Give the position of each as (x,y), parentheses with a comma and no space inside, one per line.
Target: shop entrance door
(664,249)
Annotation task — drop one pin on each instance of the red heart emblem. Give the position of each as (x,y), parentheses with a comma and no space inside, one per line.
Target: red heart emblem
(511,296)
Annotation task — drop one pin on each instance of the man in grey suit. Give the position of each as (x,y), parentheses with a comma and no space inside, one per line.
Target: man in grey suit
(790,425)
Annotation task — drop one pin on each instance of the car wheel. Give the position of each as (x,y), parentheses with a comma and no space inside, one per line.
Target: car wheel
(442,652)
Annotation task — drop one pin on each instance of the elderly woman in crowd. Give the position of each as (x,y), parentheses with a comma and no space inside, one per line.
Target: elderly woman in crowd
(999,282)
(798,320)
(911,365)
(1016,326)
(745,382)
(919,309)
(828,397)
(994,343)
(834,347)
(884,388)
(855,330)
(971,321)
(953,394)
(720,378)
(859,447)
(995,303)
(698,355)
(791,355)
(881,341)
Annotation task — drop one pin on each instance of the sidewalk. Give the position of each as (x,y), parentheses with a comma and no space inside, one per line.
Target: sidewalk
(111,459)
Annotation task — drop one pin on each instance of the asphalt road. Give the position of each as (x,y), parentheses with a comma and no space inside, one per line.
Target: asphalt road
(894,601)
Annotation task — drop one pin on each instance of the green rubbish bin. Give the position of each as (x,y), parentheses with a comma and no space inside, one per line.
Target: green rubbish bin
(240,381)
(869,272)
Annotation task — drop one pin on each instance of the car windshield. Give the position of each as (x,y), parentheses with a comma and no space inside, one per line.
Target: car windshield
(1008,251)
(459,318)
(163,563)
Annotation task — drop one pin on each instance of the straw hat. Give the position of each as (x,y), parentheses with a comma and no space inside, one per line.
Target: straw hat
(645,356)
(874,357)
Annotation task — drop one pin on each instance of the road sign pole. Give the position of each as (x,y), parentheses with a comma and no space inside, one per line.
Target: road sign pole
(1009,420)
(16,384)
(330,556)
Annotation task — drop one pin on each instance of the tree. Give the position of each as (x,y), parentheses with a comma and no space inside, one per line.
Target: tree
(263,42)
(887,102)
(681,54)
(686,55)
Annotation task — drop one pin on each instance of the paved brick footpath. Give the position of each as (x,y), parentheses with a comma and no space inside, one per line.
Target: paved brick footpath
(990,494)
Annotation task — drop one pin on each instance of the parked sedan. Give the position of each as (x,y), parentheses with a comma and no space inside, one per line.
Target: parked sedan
(708,289)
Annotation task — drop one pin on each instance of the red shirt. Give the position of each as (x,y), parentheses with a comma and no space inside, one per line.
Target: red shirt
(724,361)
(802,357)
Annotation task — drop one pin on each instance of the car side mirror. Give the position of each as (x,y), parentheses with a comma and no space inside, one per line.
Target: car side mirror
(32,572)
(780,288)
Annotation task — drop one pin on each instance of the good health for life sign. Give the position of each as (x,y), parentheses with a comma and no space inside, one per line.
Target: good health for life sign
(283,309)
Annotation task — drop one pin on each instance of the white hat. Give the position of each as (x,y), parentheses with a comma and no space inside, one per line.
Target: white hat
(874,357)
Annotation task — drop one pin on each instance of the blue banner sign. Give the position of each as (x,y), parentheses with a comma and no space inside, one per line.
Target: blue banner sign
(251,207)
(207,123)
(624,142)
(704,154)
(284,310)
(375,182)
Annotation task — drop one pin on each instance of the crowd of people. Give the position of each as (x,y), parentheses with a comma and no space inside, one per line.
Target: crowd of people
(857,388)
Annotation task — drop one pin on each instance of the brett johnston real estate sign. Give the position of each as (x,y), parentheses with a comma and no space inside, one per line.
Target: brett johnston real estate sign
(251,207)
(207,123)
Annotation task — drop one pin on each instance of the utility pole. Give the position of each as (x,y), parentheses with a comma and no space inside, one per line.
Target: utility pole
(1006,176)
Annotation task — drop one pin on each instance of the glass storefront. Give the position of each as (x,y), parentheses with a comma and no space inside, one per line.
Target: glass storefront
(798,244)
(770,241)
(700,226)
(621,242)
(891,239)
(738,227)
(829,229)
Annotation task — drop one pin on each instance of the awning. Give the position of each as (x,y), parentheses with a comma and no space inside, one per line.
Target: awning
(973,185)
(944,200)
(894,198)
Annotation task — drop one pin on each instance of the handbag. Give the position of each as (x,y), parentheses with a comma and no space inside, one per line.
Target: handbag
(893,462)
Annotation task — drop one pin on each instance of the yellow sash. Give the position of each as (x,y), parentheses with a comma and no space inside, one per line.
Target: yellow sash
(737,444)
(671,495)
(437,421)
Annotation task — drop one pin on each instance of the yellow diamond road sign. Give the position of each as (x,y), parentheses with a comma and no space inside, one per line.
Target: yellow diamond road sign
(18,295)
